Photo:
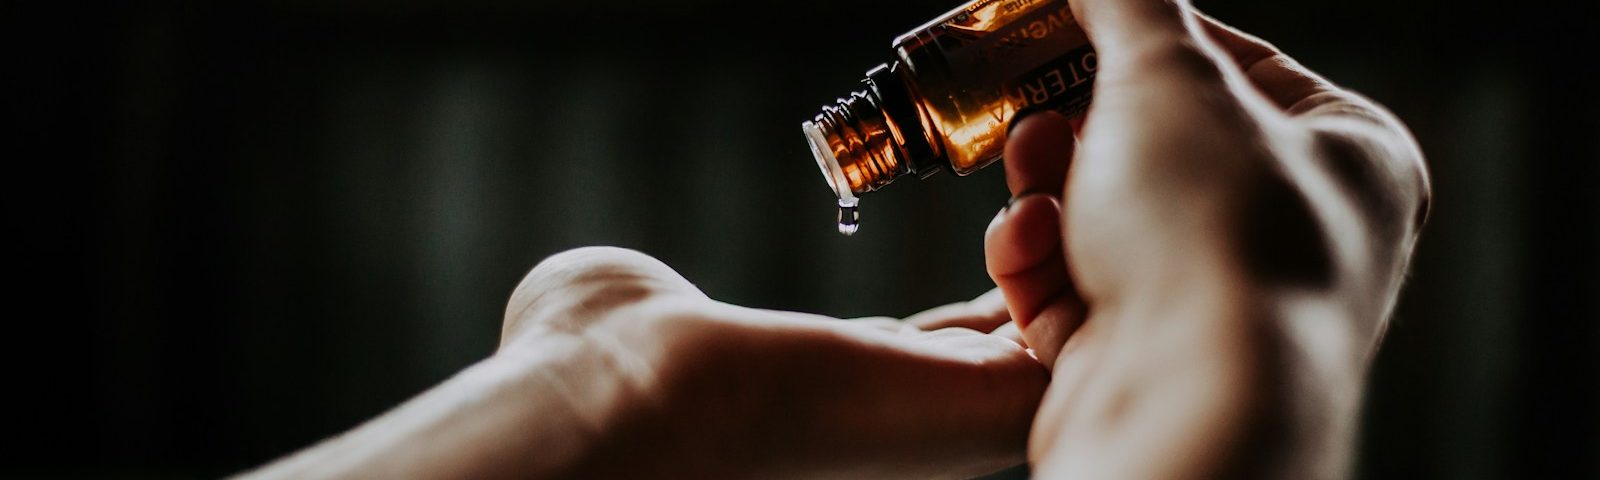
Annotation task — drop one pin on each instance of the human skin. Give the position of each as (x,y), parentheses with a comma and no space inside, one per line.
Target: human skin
(1208,264)
(613,366)
(1202,271)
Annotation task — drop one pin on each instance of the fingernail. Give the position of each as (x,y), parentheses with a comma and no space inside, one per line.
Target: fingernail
(1025,113)
(1024,194)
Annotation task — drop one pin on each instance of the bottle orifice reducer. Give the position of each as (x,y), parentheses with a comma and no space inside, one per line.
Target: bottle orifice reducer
(948,97)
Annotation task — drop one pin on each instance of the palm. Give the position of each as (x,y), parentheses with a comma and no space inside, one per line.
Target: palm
(782,393)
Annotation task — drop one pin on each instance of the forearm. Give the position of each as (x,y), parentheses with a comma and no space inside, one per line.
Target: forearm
(525,413)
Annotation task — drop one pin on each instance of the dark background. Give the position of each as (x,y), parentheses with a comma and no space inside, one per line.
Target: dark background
(241,227)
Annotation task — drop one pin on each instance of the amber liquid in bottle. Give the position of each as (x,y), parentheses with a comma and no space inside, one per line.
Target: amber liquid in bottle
(949,96)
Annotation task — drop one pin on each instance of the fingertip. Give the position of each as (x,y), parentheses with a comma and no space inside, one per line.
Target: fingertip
(1024,234)
(1011,331)
(1038,151)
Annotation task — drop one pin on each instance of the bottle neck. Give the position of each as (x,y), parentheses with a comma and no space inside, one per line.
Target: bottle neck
(872,136)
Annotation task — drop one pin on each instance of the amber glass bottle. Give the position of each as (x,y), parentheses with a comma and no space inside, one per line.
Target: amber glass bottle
(949,96)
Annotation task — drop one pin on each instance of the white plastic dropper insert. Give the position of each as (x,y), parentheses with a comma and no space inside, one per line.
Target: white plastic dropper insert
(849,213)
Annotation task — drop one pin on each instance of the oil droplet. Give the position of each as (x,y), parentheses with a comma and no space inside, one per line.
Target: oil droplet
(849,217)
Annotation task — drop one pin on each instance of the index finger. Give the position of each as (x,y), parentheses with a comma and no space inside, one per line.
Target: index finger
(983,314)
(1038,150)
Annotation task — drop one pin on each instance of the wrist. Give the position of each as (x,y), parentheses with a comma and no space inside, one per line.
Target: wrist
(536,409)
(544,407)
(629,380)
(587,392)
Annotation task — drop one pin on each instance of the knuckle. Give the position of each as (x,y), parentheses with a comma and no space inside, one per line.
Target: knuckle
(1378,169)
(1346,158)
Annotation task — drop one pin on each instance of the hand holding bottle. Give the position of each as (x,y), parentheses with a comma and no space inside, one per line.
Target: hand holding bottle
(1205,268)
(1230,236)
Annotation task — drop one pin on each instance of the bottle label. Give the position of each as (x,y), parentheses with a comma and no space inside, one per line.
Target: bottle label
(1064,84)
(1029,52)
(979,66)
